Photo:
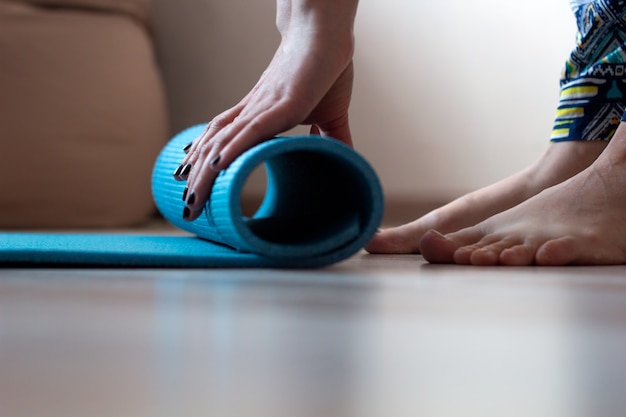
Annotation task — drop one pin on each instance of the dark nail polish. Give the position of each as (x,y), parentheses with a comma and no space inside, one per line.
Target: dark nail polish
(186,213)
(185,170)
(186,148)
(215,160)
(185,194)
(192,198)
(178,170)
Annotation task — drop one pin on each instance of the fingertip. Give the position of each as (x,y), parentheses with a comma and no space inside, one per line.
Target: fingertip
(182,172)
(195,202)
(190,215)
(177,171)
(198,192)
(314,130)
(191,199)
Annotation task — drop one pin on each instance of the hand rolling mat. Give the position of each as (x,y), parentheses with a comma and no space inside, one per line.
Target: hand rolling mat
(323,203)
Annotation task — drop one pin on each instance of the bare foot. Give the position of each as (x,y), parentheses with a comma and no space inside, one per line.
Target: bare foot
(561,161)
(580,221)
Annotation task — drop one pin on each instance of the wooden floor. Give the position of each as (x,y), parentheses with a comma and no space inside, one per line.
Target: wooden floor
(376,336)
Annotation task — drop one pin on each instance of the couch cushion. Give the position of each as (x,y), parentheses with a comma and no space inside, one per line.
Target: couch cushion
(82,117)
(138,9)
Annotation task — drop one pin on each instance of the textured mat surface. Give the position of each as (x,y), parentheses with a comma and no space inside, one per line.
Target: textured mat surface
(322,204)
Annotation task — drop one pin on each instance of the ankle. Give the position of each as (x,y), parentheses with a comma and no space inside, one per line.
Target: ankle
(560,161)
(616,151)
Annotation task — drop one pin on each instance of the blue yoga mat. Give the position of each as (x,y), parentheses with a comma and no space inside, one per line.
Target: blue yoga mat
(323,203)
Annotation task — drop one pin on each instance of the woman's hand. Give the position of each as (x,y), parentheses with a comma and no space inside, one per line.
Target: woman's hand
(308,81)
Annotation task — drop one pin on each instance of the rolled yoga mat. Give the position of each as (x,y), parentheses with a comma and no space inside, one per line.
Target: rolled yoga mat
(323,203)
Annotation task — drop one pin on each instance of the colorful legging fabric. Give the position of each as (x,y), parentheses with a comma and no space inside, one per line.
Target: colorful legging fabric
(593,82)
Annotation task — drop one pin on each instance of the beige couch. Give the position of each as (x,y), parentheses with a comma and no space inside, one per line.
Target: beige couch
(82,113)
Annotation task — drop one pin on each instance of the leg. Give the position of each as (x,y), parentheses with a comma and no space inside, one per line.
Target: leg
(560,161)
(591,104)
(580,221)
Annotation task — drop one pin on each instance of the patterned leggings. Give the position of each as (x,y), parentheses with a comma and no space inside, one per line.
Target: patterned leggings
(593,82)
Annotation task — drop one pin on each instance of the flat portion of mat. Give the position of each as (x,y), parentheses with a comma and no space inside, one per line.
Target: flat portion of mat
(323,203)
(121,250)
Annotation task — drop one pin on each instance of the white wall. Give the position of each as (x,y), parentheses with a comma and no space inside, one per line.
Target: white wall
(455,94)
(449,95)
(211,52)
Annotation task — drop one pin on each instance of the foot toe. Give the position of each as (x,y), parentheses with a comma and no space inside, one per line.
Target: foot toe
(398,240)
(437,248)
(518,255)
(489,254)
(557,252)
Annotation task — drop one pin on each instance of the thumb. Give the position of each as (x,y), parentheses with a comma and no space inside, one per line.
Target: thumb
(337,129)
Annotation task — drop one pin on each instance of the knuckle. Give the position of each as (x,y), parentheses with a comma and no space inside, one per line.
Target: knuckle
(218,123)
(219,142)
(204,148)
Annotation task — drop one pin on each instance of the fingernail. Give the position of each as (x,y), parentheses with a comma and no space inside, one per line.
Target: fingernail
(192,198)
(186,148)
(186,213)
(185,170)
(177,172)
(215,160)
(185,194)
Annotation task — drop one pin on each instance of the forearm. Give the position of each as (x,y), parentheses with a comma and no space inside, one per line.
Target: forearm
(319,17)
